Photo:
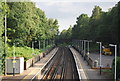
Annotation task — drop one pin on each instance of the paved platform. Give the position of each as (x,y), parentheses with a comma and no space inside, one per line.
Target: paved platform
(32,72)
(85,72)
(106,60)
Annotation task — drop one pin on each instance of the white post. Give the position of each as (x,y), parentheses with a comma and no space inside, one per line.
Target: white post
(100,52)
(115,60)
(32,47)
(5,44)
(14,50)
(14,59)
(82,45)
(39,44)
(84,49)
(88,47)
(44,44)
(100,55)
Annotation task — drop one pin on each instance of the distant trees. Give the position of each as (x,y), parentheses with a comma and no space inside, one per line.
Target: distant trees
(80,29)
(66,34)
(101,26)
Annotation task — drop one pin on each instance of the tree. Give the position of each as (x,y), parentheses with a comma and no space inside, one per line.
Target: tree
(94,21)
(3,10)
(81,28)
(26,23)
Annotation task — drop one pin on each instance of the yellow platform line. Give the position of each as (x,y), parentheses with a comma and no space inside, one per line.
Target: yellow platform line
(26,77)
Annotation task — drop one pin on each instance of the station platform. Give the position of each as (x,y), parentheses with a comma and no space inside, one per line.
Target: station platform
(32,72)
(85,72)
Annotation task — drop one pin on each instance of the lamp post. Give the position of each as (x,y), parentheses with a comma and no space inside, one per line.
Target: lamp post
(14,61)
(5,40)
(44,44)
(88,42)
(100,55)
(39,44)
(88,46)
(84,48)
(79,45)
(115,58)
(33,47)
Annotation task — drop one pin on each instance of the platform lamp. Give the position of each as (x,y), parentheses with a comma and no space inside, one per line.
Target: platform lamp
(88,42)
(33,47)
(115,58)
(84,48)
(39,45)
(100,55)
(88,50)
(14,61)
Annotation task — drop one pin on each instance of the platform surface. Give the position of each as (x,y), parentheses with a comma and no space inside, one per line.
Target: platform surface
(85,71)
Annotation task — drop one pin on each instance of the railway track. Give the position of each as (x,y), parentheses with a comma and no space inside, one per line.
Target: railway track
(62,67)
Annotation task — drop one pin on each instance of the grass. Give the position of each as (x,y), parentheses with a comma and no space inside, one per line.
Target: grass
(25,52)
(94,48)
(107,70)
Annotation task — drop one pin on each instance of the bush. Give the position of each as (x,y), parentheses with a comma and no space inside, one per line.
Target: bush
(118,68)
(25,52)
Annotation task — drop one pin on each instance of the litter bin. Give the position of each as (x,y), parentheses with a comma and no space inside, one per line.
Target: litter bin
(96,63)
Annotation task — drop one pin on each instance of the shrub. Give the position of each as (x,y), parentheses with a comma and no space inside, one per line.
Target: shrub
(25,51)
(118,68)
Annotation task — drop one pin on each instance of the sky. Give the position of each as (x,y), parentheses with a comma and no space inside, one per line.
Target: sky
(67,12)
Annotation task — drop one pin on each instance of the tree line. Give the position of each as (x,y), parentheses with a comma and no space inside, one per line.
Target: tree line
(100,26)
(25,23)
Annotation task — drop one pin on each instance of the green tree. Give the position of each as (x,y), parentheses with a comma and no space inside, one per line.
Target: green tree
(94,21)
(80,30)
(3,10)
(26,23)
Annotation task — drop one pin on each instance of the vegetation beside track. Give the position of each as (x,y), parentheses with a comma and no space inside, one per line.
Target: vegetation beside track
(25,51)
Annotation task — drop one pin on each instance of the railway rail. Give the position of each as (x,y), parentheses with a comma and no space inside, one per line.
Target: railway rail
(62,67)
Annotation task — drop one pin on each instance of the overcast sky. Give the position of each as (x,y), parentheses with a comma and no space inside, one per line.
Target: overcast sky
(67,12)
